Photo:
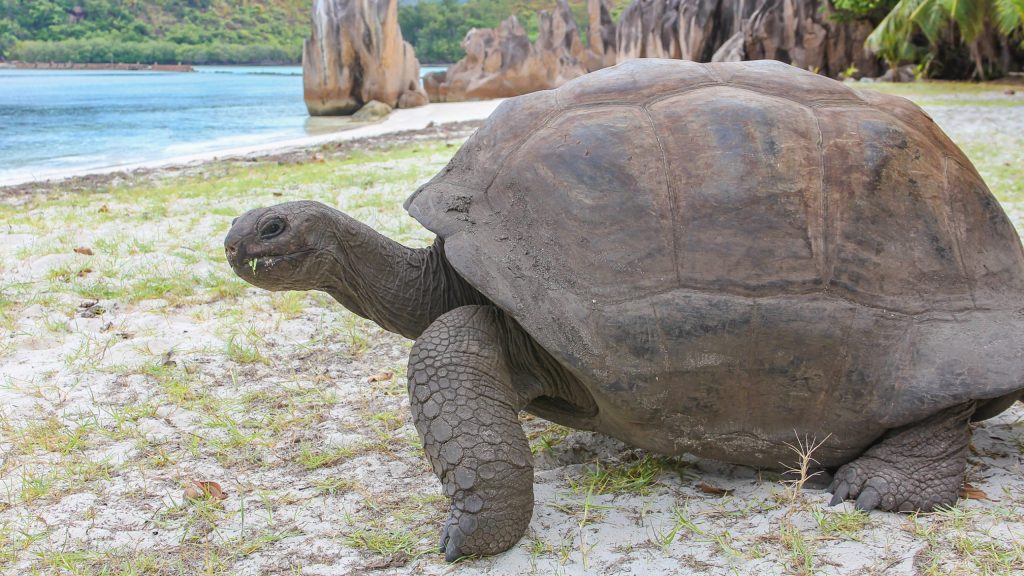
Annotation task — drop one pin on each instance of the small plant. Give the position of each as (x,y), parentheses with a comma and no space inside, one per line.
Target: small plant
(241,351)
(801,473)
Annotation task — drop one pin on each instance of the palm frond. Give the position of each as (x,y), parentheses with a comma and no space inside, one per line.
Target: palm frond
(898,25)
(1008,16)
(968,15)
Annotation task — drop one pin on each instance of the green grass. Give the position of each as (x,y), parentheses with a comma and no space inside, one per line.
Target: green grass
(633,477)
(312,458)
(841,523)
(931,88)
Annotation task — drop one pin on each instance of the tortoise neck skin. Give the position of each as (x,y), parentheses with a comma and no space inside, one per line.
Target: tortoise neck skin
(400,288)
(310,246)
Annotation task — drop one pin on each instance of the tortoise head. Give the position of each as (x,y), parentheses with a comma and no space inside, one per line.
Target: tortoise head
(282,247)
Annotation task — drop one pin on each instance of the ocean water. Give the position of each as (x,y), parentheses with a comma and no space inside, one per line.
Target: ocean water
(56,122)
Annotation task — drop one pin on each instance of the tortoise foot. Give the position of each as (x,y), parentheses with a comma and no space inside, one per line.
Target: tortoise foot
(918,467)
(484,526)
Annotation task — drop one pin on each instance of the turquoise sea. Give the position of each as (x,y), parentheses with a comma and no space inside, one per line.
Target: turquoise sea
(55,122)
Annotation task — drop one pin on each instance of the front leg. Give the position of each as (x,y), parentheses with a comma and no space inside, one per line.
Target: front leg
(466,412)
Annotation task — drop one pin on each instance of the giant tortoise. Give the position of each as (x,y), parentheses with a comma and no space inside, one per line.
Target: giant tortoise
(712,259)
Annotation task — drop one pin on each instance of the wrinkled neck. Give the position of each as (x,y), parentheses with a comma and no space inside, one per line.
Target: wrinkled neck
(402,289)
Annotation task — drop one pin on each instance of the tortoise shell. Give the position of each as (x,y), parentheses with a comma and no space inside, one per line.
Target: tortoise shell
(664,216)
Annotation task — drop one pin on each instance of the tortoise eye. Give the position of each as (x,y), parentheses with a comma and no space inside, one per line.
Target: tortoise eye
(272,229)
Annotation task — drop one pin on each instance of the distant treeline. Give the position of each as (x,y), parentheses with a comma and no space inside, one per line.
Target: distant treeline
(103,50)
(163,31)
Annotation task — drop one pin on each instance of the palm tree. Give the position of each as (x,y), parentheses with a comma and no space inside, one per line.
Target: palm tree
(974,19)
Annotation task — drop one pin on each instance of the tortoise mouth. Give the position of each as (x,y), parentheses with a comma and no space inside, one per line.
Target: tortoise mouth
(253,266)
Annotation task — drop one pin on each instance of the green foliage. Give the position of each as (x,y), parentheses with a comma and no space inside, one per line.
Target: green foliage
(165,31)
(847,10)
(102,50)
(436,28)
(972,19)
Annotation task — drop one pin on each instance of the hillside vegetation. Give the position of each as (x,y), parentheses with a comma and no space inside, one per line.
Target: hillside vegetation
(231,31)
(165,31)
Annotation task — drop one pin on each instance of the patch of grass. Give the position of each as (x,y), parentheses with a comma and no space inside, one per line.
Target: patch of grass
(311,458)
(219,286)
(331,486)
(49,435)
(634,477)
(289,304)
(972,102)
(841,523)
(176,383)
(386,542)
(242,349)
(801,551)
(247,545)
(545,440)
(36,485)
(934,88)
(1001,164)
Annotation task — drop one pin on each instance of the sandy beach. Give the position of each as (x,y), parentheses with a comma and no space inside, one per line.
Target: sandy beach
(136,370)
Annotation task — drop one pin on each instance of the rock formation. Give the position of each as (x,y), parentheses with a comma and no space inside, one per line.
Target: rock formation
(795,31)
(356,54)
(502,62)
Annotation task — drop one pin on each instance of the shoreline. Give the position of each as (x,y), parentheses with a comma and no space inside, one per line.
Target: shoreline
(138,67)
(401,121)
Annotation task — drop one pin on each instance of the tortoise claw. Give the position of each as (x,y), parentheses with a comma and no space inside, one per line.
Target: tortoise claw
(840,490)
(451,542)
(868,500)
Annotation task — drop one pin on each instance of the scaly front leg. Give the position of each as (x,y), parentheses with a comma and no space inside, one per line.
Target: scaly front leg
(466,412)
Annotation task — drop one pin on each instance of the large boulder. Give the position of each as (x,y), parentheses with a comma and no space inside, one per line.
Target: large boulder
(502,62)
(372,111)
(356,54)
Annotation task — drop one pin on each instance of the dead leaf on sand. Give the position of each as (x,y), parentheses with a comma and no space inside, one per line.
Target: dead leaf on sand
(204,490)
(968,492)
(84,250)
(709,489)
(381,376)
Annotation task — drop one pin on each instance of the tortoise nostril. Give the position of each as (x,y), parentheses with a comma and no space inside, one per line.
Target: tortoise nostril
(231,249)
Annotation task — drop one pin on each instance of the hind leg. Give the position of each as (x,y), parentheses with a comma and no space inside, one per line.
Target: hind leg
(466,412)
(917,467)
